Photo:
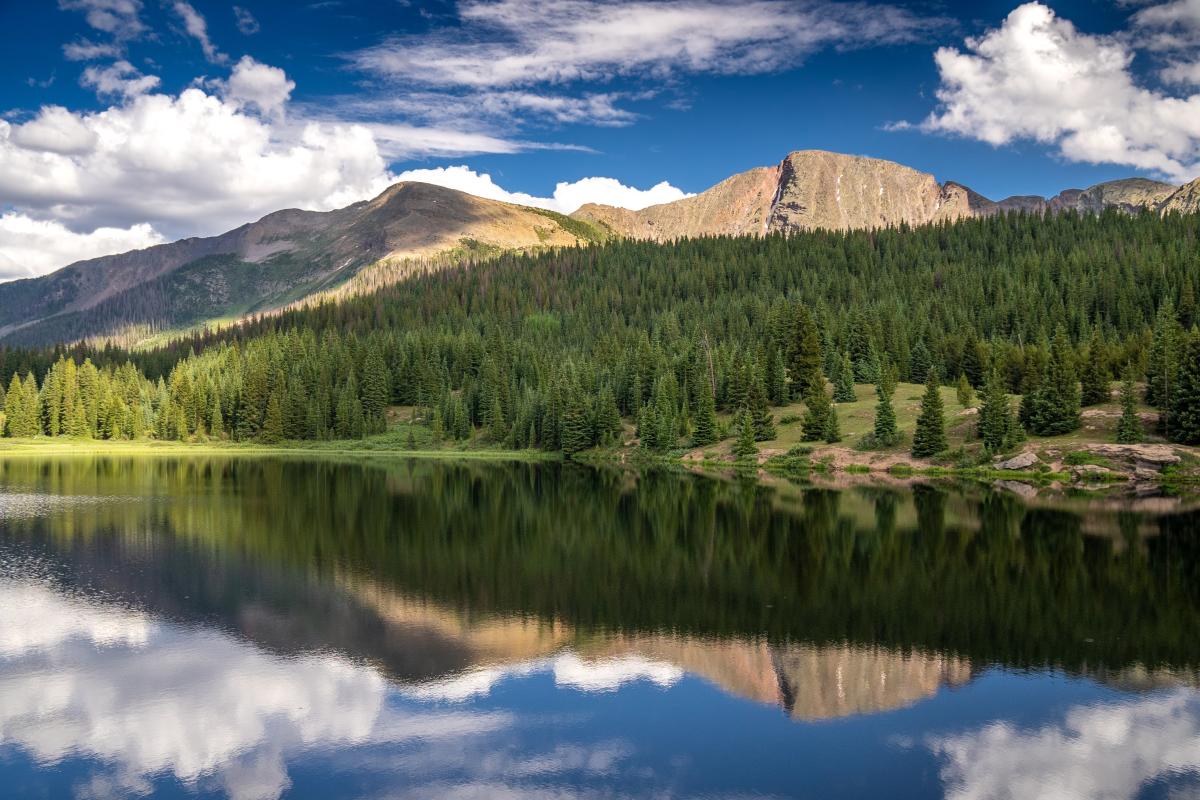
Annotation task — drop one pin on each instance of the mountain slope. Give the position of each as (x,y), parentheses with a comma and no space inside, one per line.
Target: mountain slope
(813,189)
(283,257)
(1185,200)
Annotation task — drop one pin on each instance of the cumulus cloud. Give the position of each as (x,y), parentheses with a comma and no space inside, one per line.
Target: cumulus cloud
(1173,25)
(197,27)
(119,78)
(1105,752)
(567,197)
(257,85)
(31,247)
(1038,78)
(147,698)
(521,42)
(55,130)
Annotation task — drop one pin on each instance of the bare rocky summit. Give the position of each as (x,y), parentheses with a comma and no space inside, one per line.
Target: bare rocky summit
(814,189)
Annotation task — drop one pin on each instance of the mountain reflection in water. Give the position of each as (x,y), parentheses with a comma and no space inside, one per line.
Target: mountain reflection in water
(254,628)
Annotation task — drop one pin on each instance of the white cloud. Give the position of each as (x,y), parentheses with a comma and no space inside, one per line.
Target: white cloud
(567,196)
(146,698)
(31,247)
(522,42)
(1103,752)
(246,22)
(258,85)
(1170,26)
(197,27)
(1036,77)
(55,130)
(119,18)
(1182,73)
(87,50)
(119,78)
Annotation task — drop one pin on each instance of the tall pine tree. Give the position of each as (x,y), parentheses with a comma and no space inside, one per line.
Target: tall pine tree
(929,439)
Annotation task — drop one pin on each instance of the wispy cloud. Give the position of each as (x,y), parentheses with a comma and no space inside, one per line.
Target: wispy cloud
(522,42)
(246,23)
(197,27)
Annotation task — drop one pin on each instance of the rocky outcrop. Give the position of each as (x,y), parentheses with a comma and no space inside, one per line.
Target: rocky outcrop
(1184,200)
(814,189)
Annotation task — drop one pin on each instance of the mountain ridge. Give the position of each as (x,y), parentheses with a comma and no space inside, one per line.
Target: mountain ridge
(293,254)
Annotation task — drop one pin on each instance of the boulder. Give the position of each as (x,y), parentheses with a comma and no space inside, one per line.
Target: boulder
(1021,462)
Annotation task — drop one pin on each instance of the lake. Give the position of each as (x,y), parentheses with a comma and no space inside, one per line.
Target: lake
(261,628)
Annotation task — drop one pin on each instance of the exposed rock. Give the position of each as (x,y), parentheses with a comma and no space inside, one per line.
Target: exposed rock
(1090,472)
(1020,462)
(1185,199)
(1023,490)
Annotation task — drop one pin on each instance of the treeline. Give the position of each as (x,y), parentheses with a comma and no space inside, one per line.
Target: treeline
(553,350)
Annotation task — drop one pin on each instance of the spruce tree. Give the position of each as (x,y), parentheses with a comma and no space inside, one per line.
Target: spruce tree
(805,359)
(919,362)
(819,407)
(745,446)
(606,419)
(576,427)
(1094,377)
(885,433)
(704,432)
(843,388)
(997,425)
(1185,408)
(1129,428)
(764,423)
(832,432)
(929,438)
(966,396)
(1054,405)
(272,427)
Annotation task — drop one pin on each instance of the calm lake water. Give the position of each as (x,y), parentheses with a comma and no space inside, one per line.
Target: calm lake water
(254,628)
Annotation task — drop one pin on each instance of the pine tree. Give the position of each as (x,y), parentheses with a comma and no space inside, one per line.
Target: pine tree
(745,446)
(272,427)
(929,439)
(966,396)
(832,432)
(1185,408)
(919,362)
(776,378)
(843,387)
(606,418)
(1094,377)
(704,432)
(1129,428)
(1163,359)
(576,427)
(1054,405)
(997,425)
(816,417)
(805,359)
(885,433)
(764,423)
(374,391)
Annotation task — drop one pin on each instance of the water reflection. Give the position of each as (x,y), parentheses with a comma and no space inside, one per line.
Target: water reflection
(243,627)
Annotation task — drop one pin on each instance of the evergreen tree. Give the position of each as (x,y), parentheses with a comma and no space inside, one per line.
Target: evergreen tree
(745,446)
(764,423)
(576,427)
(885,433)
(375,391)
(776,378)
(966,396)
(832,432)
(272,427)
(704,431)
(607,419)
(929,439)
(997,427)
(815,423)
(1094,377)
(805,357)
(919,362)
(1054,405)
(1129,428)
(1185,408)
(843,388)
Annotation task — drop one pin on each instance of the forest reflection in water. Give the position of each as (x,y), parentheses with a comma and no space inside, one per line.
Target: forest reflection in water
(285,605)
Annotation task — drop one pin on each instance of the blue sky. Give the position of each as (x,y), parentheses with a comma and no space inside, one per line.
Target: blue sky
(128,122)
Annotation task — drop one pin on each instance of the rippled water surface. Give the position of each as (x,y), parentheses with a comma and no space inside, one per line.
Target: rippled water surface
(253,628)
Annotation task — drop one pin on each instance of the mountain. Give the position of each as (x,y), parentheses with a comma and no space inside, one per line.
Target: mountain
(285,256)
(290,255)
(813,189)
